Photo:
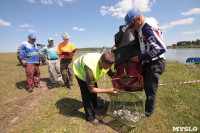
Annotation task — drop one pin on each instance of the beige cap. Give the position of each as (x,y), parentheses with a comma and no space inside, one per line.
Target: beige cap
(65,36)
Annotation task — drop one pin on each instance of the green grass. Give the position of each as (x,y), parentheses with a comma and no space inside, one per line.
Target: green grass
(60,110)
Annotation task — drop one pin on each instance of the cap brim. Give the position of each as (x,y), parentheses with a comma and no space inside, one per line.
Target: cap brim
(66,38)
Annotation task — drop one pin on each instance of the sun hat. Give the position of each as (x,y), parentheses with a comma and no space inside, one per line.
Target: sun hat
(130,16)
(32,36)
(65,35)
(50,39)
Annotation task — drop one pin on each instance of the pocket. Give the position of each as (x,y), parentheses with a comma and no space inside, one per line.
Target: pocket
(163,64)
(157,68)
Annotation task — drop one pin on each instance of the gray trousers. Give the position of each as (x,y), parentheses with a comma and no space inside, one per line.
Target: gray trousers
(151,73)
(54,65)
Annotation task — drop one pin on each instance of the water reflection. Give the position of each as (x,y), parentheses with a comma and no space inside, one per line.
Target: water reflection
(181,55)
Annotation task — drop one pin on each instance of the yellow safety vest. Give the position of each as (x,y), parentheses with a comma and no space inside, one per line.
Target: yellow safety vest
(92,61)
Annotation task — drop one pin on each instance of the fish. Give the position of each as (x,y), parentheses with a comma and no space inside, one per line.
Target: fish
(127,114)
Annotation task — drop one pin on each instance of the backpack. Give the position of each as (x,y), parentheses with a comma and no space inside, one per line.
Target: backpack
(129,74)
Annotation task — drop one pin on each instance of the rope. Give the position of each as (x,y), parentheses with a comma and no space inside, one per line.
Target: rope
(186,82)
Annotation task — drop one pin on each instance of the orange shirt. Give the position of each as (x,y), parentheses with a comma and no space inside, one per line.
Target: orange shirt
(65,48)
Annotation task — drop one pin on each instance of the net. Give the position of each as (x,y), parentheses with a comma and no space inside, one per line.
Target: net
(127,107)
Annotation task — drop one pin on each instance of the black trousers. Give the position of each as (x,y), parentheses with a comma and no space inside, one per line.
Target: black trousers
(151,73)
(89,99)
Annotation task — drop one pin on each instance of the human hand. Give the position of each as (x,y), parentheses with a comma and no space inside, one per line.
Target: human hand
(71,53)
(135,59)
(112,91)
(23,62)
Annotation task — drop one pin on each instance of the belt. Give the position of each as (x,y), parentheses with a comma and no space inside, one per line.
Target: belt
(155,59)
(52,59)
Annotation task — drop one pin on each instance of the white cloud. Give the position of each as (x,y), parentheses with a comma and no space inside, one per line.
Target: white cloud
(121,8)
(191,32)
(68,0)
(19,30)
(179,22)
(32,31)
(59,2)
(31,1)
(56,35)
(46,2)
(191,12)
(25,25)
(77,28)
(4,23)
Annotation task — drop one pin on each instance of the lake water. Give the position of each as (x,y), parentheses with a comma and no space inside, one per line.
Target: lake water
(181,55)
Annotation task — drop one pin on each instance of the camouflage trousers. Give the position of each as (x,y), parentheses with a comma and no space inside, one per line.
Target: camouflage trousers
(67,71)
(54,65)
(32,75)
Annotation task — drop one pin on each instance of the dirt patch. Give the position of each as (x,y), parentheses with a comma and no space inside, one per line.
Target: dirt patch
(19,106)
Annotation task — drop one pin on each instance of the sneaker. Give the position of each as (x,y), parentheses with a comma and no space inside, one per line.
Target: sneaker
(65,86)
(148,114)
(51,85)
(96,121)
(29,90)
(71,87)
(38,86)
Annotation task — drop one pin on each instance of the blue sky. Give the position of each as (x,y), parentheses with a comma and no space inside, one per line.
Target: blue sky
(92,23)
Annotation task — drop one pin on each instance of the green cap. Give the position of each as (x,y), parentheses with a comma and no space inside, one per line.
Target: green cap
(50,39)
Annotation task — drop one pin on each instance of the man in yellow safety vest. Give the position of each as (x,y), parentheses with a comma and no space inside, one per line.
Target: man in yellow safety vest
(88,69)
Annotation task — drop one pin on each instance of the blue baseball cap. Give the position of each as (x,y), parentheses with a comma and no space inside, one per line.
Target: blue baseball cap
(32,36)
(50,39)
(130,16)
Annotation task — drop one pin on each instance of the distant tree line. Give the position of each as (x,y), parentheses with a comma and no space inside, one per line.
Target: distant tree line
(186,43)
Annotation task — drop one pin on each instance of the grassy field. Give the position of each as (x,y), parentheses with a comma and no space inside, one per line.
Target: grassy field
(60,110)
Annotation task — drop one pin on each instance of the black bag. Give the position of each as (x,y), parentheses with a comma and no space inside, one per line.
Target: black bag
(127,46)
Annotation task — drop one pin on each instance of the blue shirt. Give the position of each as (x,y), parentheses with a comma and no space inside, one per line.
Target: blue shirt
(29,53)
(50,52)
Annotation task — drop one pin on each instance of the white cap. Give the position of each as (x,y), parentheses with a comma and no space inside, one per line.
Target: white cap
(65,36)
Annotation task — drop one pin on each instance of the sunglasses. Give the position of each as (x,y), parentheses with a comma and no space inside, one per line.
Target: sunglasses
(110,63)
(133,23)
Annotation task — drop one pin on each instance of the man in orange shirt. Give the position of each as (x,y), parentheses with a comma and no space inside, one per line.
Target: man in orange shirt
(66,52)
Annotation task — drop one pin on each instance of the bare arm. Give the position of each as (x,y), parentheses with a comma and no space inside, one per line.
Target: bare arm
(91,82)
(98,90)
